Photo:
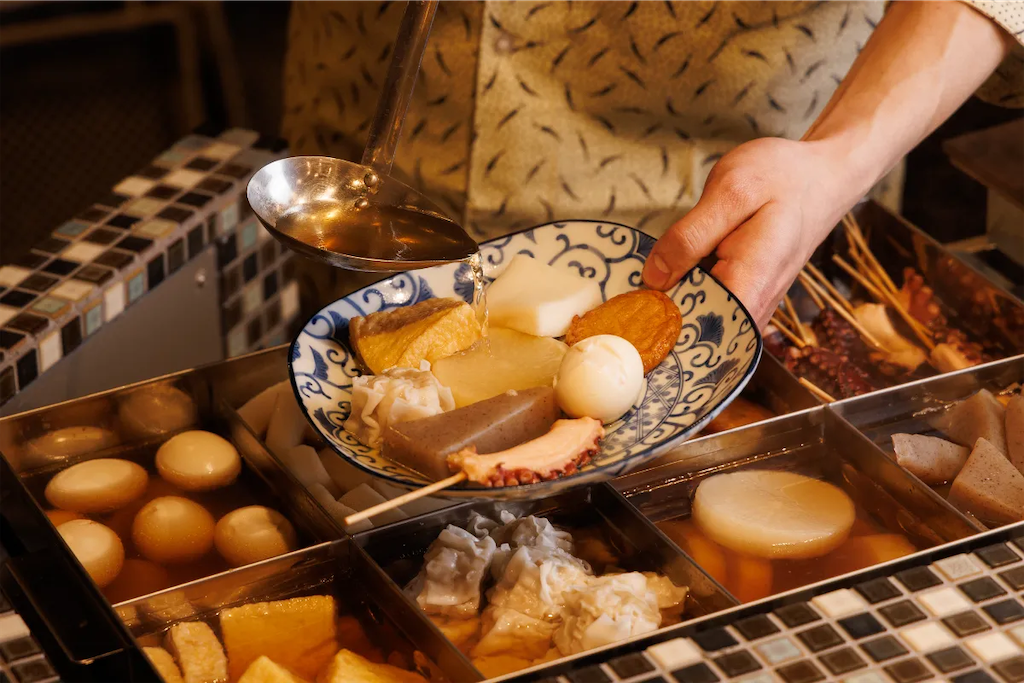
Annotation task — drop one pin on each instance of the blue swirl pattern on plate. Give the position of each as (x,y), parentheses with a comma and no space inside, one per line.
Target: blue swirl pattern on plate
(717,351)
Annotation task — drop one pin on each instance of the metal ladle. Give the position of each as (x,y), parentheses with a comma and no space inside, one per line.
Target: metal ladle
(355,216)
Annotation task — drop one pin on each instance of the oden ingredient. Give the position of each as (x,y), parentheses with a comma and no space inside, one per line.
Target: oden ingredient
(980,416)
(101,485)
(171,530)
(198,461)
(253,533)
(932,460)
(505,361)
(96,547)
(397,395)
(774,515)
(538,299)
(600,377)
(1015,432)
(404,337)
(491,425)
(648,320)
(989,486)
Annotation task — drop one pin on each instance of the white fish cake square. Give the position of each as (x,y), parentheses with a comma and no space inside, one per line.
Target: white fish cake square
(538,299)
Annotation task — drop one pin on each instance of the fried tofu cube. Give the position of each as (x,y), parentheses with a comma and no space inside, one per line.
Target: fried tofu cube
(164,664)
(348,667)
(298,634)
(265,670)
(199,653)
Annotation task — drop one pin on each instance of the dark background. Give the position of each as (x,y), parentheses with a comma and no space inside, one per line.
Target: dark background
(90,92)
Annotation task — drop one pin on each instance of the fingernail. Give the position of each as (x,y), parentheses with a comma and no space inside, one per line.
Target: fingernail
(656,272)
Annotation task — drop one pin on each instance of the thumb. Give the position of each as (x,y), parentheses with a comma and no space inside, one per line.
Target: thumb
(722,207)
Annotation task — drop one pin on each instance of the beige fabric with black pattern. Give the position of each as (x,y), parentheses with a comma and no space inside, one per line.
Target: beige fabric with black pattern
(528,111)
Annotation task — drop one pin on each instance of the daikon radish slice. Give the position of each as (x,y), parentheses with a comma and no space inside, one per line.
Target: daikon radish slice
(774,515)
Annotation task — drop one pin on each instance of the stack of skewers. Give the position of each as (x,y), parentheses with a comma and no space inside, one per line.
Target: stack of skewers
(899,335)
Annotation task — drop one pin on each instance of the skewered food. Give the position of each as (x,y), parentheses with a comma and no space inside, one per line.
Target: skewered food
(405,337)
(506,360)
(538,299)
(396,395)
(647,319)
(600,377)
(491,425)
(899,350)
(198,461)
(100,485)
(561,451)
(772,514)
(932,460)
(989,486)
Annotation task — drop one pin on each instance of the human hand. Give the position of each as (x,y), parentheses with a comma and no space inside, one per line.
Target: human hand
(765,207)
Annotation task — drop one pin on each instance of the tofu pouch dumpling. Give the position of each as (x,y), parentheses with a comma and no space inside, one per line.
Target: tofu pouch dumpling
(930,459)
(538,299)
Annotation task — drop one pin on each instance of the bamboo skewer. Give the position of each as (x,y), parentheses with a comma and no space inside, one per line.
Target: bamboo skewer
(816,390)
(401,500)
(822,280)
(781,314)
(855,233)
(860,279)
(799,326)
(864,333)
(814,295)
(787,334)
(884,297)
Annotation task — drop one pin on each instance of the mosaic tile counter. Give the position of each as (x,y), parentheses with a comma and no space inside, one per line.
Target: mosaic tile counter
(91,268)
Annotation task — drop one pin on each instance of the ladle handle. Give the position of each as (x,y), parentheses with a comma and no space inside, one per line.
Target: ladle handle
(386,127)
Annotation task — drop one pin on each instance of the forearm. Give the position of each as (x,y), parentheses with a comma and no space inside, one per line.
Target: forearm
(922,62)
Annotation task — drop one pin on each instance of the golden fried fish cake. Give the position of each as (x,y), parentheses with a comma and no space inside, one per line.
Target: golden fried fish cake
(647,319)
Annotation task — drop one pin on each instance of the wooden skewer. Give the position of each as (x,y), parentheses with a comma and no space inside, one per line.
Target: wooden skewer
(816,390)
(828,286)
(787,334)
(855,231)
(401,500)
(860,279)
(864,333)
(781,314)
(814,295)
(799,326)
(885,297)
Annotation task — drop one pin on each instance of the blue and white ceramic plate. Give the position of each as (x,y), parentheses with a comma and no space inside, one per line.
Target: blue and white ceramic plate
(716,354)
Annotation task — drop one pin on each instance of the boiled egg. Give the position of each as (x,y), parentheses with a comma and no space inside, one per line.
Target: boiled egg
(253,533)
(97,547)
(172,530)
(198,461)
(100,485)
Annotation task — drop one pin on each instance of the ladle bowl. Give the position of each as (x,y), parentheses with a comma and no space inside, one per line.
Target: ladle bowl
(347,215)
